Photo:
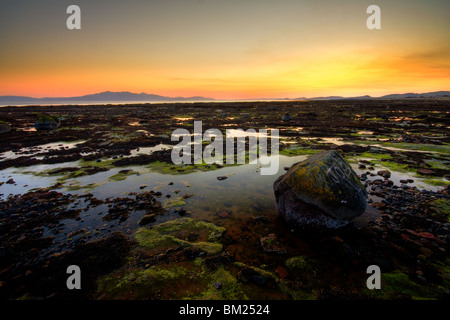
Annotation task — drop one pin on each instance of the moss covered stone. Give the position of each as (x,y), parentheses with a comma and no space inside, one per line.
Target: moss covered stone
(321,192)
(399,285)
(46,122)
(230,287)
(140,283)
(179,232)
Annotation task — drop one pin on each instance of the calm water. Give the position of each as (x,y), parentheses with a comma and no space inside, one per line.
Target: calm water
(230,202)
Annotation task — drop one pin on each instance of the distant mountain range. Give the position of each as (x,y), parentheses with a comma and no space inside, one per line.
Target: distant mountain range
(437,94)
(106,96)
(109,96)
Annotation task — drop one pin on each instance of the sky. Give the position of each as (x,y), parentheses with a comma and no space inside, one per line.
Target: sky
(224,49)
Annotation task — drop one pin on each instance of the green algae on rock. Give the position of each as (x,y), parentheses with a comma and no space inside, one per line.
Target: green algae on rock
(179,232)
(397,285)
(321,192)
(46,122)
(122,175)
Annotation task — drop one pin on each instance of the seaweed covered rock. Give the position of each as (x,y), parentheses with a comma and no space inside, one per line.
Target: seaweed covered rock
(46,122)
(184,232)
(321,192)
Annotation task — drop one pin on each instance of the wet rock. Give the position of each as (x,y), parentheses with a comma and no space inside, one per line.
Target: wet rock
(286,117)
(388,183)
(384,173)
(426,172)
(321,192)
(10,181)
(182,212)
(222,178)
(46,122)
(148,218)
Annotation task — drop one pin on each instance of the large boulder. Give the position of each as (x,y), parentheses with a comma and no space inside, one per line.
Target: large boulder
(46,122)
(319,193)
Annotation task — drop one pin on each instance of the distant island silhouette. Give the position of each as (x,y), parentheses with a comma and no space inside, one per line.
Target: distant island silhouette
(102,96)
(125,96)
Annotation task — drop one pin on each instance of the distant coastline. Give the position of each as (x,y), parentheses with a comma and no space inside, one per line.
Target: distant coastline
(117,98)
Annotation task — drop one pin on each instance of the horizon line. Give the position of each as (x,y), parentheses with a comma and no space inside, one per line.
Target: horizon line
(225,99)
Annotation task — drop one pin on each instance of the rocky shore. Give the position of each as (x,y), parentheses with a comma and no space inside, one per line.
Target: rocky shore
(148,241)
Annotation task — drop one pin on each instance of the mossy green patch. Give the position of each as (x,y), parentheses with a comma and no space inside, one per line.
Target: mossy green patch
(152,239)
(395,166)
(441,207)
(287,287)
(302,264)
(437,163)
(170,168)
(101,164)
(178,232)
(443,269)
(140,283)
(231,288)
(74,186)
(208,247)
(176,202)
(398,285)
(191,280)
(183,225)
(375,155)
(122,175)
(442,148)
(296,150)
(437,182)
(259,271)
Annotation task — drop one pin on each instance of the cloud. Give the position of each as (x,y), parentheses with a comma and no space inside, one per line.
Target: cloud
(442,53)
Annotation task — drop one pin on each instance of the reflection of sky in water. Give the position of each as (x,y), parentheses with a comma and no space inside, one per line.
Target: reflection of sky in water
(43,148)
(245,193)
(244,179)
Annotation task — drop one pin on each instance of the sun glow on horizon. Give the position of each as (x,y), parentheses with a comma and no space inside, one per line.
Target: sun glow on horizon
(225,50)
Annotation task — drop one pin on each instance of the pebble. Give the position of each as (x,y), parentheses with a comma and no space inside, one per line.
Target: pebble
(148,218)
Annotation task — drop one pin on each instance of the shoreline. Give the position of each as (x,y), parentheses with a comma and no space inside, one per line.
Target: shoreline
(116,205)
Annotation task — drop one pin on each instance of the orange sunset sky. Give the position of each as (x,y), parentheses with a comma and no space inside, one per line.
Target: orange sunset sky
(224,49)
